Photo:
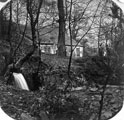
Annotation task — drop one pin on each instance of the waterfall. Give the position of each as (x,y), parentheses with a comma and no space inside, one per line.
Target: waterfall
(20,81)
(4,116)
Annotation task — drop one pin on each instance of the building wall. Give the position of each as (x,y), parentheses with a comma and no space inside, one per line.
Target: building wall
(52,49)
(78,52)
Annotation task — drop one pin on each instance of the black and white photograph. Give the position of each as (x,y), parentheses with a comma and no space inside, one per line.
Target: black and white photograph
(61,59)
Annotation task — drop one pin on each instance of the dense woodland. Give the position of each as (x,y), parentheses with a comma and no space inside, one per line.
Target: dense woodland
(55,80)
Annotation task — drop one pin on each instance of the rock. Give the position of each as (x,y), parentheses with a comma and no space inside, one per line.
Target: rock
(43,115)
(25,116)
(92,117)
(107,114)
(77,89)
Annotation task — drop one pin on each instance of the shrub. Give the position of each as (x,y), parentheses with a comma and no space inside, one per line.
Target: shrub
(57,92)
(96,69)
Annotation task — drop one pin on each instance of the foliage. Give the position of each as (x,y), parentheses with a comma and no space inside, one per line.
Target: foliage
(51,73)
(15,102)
(34,70)
(96,68)
(57,92)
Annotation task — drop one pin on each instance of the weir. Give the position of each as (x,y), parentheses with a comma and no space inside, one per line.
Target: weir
(20,81)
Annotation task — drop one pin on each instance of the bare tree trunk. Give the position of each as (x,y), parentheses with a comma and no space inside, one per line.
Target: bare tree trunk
(8,57)
(33,23)
(61,36)
(71,38)
(1,24)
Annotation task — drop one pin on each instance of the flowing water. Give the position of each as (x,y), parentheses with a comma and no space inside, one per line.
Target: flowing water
(20,81)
